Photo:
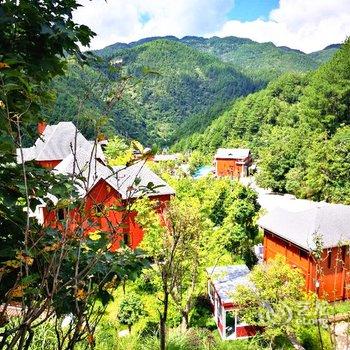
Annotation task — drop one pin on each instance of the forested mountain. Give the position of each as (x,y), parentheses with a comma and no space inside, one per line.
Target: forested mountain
(298,128)
(263,61)
(170,87)
(166,82)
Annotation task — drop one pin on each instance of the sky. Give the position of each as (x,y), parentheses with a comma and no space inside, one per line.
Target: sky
(307,25)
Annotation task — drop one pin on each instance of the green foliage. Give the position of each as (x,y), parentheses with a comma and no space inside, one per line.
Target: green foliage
(131,309)
(25,70)
(106,336)
(310,339)
(118,152)
(238,229)
(181,83)
(297,129)
(195,161)
(276,300)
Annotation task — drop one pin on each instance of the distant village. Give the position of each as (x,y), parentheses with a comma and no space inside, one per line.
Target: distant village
(291,227)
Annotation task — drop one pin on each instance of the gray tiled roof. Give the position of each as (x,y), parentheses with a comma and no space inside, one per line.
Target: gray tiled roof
(122,178)
(57,142)
(330,222)
(227,278)
(84,165)
(126,180)
(28,154)
(232,153)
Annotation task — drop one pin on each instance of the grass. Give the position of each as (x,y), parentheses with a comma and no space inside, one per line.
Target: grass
(340,307)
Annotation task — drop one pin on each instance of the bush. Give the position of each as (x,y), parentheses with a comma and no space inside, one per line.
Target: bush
(131,309)
(106,336)
(310,340)
(201,315)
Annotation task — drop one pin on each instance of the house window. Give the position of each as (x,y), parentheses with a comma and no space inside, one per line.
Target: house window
(303,254)
(126,239)
(99,209)
(60,214)
(343,254)
(329,259)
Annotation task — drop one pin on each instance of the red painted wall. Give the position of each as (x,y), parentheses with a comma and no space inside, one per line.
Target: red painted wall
(245,331)
(228,167)
(332,271)
(49,164)
(118,222)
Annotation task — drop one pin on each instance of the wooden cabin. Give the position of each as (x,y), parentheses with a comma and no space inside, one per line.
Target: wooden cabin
(298,235)
(232,162)
(222,283)
(105,192)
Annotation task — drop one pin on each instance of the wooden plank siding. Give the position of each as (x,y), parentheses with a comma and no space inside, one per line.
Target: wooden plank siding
(122,224)
(329,277)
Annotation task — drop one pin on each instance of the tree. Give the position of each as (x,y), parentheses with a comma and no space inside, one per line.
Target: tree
(179,249)
(239,229)
(51,271)
(327,166)
(118,152)
(275,300)
(130,310)
(278,156)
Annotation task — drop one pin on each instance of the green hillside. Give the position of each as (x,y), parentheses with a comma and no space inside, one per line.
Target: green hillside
(298,129)
(188,83)
(325,54)
(263,61)
(183,82)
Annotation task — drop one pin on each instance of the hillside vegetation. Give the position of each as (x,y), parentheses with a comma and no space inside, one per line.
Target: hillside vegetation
(263,61)
(168,83)
(298,128)
(170,88)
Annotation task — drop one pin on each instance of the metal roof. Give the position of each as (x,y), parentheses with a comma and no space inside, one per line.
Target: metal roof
(232,153)
(227,278)
(329,222)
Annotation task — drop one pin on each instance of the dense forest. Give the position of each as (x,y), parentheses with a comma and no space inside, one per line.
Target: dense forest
(263,61)
(169,88)
(298,129)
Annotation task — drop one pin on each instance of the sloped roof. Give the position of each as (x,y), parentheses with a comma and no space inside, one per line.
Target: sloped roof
(28,154)
(232,153)
(84,165)
(227,278)
(165,157)
(330,222)
(126,181)
(122,178)
(57,142)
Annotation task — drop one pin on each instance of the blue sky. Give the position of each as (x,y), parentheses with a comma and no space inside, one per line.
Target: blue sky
(307,25)
(244,10)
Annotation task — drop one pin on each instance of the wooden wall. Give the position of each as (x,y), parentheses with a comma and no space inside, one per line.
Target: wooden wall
(331,271)
(121,224)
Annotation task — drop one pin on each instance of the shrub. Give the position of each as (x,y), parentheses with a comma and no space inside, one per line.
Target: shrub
(131,309)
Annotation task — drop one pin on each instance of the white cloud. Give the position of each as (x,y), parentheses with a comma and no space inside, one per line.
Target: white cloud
(306,25)
(121,21)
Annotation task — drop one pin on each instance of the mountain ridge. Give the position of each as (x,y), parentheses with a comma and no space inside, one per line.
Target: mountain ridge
(193,80)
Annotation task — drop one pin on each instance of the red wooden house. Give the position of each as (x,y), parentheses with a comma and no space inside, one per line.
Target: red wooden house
(222,283)
(106,192)
(233,162)
(297,235)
